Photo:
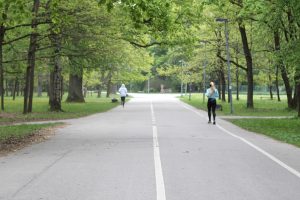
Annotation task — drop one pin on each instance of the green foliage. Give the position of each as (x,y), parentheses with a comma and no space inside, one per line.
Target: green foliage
(41,109)
(264,106)
(285,130)
(113,43)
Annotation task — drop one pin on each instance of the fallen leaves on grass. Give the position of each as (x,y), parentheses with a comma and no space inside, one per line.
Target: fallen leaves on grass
(14,144)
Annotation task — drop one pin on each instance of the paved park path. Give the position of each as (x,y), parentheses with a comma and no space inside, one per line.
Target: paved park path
(156,148)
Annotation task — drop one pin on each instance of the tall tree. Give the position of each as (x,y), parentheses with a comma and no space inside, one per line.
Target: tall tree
(29,84)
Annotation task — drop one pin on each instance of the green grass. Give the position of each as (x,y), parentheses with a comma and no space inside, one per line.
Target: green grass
(262,106)
(18,132)
(286,130)
(13,109)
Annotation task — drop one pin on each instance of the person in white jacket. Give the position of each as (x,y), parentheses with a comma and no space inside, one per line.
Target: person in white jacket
(123,94)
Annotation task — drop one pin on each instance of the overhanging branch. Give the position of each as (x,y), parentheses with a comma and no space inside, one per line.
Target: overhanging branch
(233,62)
(145,45)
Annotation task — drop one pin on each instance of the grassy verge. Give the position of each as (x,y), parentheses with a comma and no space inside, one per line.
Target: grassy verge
(18,132)
(286,130)
(13,109)
(16,137)
(263,106)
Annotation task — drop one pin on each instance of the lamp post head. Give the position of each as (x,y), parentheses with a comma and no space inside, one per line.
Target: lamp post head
(221,20)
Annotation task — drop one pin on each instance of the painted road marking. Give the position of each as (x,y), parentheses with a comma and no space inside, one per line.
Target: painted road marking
(270,156)
(160,186)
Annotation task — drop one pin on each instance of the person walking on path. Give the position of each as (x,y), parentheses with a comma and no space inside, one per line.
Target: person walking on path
(212,94)
(123,94)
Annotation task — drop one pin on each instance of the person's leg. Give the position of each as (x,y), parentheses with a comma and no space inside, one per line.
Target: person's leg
(209,111)
(214,105)
(122,101)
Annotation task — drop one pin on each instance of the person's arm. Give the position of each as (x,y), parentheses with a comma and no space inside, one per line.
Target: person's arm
(207,93)
(216,93)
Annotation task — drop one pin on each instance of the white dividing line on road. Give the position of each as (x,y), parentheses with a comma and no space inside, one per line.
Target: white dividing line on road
(270,156)
(160,186)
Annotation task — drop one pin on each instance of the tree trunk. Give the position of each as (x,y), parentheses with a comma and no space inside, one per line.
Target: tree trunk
(237,82)
(270,87)
(56,77)
(284,75)
(62,87)
(248,58)
(220,86)
(40,85)
(19,90)
(28,91)
(2,33)
(99,91)
(223,85)
(75,86)
(297,86)
(295,98)
(298,99)
(15,88)
(6,89)
(277,84)
(221,67)
(102,82)
(48,86)
(109,83)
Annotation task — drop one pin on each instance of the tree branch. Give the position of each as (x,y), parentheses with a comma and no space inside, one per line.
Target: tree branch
(145,45)
(10,72)
(236,3)
(24,25)
(16,39)
(233,62)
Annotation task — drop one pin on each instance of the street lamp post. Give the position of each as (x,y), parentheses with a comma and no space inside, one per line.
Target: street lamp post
(204,68)
(228,60)
(149,85)
(190,86)
(181,85)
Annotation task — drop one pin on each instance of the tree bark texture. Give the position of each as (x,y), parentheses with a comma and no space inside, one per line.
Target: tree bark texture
(29,84)
(221,68)
(298,99)
(277,83)
(249,63)
(2,33)
(16,86)
(75,86)
(55,76)
(284,74)
(237,75)
(40,85)
(270,87)
(296,94)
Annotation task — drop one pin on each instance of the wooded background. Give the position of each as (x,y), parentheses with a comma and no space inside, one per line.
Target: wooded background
(65,46)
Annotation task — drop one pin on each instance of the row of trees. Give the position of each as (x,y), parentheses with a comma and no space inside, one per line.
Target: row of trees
(66,40)
(264,38)
(112,39)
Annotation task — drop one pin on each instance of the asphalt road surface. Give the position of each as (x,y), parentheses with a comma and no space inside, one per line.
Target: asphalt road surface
(156,148)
